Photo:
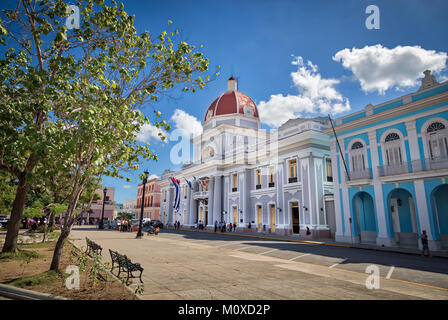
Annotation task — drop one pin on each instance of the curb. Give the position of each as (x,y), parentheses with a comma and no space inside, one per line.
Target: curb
(24,294)
(312,242)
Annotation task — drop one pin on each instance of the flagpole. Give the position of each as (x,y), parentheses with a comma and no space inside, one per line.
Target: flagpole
(339,147)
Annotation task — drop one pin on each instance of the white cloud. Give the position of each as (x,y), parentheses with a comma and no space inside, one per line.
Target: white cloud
(378,68)
(316,95)
(186,122)
(148,131)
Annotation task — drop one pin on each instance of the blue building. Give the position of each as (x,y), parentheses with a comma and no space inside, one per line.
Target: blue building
(390,167)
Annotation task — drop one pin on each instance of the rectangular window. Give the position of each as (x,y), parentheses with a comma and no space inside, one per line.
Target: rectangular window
(271,177)
(234,182)
(329,170)
(258,173)
(292,171)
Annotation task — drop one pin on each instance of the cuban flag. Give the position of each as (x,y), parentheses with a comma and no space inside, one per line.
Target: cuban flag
(189,183)
(177,199)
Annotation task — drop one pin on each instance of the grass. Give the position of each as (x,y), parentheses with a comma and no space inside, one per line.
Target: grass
(25,255)
(45,278)
(37,245)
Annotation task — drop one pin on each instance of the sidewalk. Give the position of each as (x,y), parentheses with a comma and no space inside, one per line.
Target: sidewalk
(325,242)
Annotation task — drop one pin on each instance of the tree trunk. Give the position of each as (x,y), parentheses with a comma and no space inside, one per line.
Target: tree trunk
(18,208)
(65,232)
(51,220)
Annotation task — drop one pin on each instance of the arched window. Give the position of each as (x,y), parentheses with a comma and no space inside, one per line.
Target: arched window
(357,145)
(357,157)
(392,137)
(438,141)
(392,147)
(435,126)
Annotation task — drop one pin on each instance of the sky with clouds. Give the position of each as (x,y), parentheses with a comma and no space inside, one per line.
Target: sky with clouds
(293,58)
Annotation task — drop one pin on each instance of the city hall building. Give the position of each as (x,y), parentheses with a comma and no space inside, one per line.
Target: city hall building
(278,182)
(390,165)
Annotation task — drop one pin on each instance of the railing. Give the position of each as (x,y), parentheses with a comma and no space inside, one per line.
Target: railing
(200,195)
(414,166)
(292,180)
(258,186)
(362,174)
(271,184)
(234,189)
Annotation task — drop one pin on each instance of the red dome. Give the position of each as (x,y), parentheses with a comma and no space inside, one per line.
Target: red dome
(232,102)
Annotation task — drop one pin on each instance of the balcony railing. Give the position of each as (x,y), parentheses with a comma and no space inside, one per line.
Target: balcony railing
(200,195)
(414,166)
(271,184)
(234,189)
(362,174)
(292,180)
(258,186)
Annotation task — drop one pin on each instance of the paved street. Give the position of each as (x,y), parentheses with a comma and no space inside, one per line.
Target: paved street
(195,265)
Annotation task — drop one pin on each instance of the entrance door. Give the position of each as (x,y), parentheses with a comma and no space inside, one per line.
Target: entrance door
(295,217)
(201,213)
(206,216)
(235,215)
(259,218)
(272,217)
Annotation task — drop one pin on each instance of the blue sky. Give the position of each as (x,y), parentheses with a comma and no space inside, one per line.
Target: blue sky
(259,40)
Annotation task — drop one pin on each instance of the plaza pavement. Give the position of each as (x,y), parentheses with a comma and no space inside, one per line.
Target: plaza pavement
(194,265)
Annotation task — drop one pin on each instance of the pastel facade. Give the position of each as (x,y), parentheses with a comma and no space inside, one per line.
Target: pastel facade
(278,182)
(396,154)
(97,205)
(152,199)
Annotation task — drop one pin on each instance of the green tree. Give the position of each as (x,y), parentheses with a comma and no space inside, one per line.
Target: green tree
(70,97)
(8,190)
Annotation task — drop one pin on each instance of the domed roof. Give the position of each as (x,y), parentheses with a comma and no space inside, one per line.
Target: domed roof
(232,102)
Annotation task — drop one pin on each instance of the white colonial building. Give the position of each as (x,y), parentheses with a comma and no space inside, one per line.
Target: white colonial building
(390,163)
(278,182)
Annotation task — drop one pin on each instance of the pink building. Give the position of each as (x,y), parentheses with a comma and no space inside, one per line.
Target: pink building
(152,199)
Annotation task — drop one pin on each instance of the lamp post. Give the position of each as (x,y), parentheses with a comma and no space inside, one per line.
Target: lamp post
(140,233)
(101,225)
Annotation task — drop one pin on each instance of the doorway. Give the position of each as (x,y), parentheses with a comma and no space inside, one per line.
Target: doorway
(235,215)
(259,218)
(272,217)
(295,217)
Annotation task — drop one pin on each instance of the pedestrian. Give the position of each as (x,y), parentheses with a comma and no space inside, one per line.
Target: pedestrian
(308,232)
(178,225)
(234,227)
(424,238)
(249,226)
(216,225)
(230,226)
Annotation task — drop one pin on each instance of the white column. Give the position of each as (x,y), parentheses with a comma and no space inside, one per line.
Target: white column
(193,210)
(211,198)
(217,207)
(382,238)
(411,129)
(423,216)
(339,235)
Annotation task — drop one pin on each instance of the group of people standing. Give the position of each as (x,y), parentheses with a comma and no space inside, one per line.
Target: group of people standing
(223,226)
(177,225)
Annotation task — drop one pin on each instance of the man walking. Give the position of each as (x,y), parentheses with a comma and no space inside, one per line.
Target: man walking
(424,238)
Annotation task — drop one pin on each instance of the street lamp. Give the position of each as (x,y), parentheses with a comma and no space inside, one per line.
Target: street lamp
(101,226)
(140,233)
